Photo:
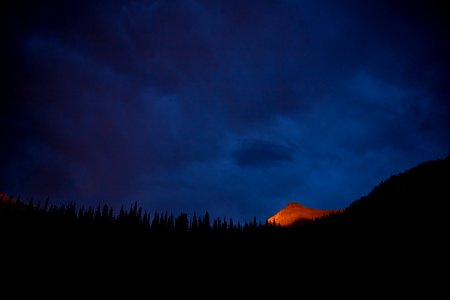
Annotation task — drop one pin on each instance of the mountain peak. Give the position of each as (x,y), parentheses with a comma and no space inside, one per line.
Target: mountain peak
(4,197)
(294,213)
(293,205)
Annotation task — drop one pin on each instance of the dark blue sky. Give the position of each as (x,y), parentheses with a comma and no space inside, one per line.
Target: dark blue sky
(235,107)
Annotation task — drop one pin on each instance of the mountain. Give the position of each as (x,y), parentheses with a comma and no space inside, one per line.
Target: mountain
(8,200)
(403,203)
(4,197)
(397,233)
(295,213)
(407,209)
(416,195)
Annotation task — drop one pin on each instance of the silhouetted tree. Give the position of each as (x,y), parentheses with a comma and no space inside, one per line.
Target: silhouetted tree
(205,222)
(182,223)
(46,204)
(231,225)
(194,223)
(155,221)
(145,220)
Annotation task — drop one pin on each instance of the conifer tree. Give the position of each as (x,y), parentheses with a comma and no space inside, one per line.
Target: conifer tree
(194,223)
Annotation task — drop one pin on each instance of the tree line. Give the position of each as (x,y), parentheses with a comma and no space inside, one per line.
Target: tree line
(15,213)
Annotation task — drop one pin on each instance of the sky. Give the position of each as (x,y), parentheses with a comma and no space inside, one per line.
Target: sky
(232,107)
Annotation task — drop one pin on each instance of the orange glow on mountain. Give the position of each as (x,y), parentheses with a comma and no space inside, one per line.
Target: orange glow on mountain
(4,197)
(295,212)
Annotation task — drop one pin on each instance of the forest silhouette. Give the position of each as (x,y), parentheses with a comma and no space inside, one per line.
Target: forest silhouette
(403,214)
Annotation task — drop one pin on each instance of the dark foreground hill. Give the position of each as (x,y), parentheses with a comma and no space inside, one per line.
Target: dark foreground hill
(397,229)
(411,204)
(403,219)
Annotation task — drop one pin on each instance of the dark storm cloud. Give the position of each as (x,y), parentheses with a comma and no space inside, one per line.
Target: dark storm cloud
(121,101)
(262,153)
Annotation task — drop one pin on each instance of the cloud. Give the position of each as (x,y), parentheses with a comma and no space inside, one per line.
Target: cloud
(256,154)
(230,105)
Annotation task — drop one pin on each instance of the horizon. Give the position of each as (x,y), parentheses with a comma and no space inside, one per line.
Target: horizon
(235,108)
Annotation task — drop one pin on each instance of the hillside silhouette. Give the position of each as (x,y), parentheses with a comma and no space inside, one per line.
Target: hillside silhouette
(406,207)
(408,200)
(403,214)
(405,204)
